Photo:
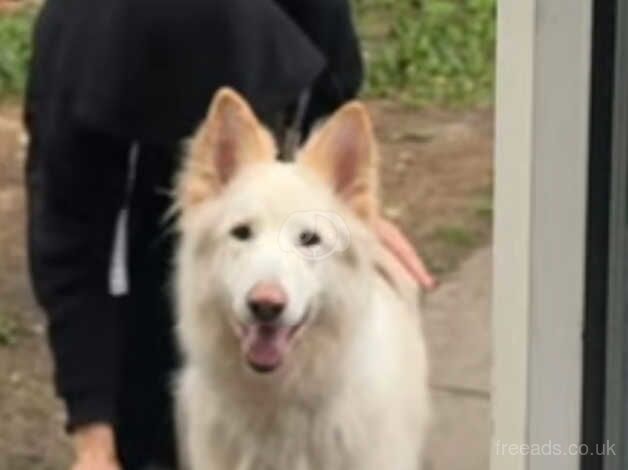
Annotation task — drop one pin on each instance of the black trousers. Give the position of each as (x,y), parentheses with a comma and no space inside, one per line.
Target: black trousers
(114,355)
(145,419)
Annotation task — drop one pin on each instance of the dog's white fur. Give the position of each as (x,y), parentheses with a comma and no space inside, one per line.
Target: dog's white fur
(351,393)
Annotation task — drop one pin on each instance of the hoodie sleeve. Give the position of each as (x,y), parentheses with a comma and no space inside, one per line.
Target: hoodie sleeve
(75,183)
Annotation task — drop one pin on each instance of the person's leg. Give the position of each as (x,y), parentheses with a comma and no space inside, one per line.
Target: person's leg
(146,423)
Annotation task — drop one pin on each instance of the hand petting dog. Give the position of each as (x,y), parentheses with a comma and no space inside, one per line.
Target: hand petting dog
(397,243)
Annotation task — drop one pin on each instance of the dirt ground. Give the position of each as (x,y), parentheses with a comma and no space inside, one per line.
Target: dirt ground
(436,175)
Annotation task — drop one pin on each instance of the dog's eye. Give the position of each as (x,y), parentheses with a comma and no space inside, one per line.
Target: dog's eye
(309,238)
(242,232)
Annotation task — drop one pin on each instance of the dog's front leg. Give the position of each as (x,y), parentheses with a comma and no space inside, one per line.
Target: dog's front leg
(193,424)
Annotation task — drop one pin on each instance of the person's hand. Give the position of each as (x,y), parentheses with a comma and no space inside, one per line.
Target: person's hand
(94,447)
(396,242)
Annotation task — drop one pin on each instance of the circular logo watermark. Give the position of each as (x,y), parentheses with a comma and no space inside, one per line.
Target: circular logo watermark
(314,235)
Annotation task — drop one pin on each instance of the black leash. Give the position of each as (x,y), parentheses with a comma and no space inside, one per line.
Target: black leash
(292,137)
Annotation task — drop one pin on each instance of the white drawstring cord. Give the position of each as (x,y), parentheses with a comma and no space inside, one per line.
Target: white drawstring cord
(119,284)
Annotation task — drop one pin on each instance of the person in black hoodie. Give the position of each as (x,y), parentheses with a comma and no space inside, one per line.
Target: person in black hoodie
(114,87)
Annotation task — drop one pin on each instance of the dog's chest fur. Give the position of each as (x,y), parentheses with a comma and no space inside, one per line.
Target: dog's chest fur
(373,420)
(289,438)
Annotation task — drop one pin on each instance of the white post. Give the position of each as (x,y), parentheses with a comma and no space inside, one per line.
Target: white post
(541,152)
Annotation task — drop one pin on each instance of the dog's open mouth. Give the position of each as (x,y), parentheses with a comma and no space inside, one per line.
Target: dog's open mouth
(265,345)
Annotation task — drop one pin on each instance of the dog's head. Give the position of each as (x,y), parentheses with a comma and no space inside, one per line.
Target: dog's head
(269,249)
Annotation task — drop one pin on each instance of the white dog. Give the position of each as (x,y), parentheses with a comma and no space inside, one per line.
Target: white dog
(301,336)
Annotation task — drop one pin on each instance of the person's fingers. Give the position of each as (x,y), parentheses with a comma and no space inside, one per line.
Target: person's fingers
(408,257)
(394,240)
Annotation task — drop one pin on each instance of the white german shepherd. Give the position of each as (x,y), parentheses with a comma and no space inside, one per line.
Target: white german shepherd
(301,336)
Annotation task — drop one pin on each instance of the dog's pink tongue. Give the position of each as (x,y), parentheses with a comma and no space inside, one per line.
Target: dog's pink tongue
(265,345)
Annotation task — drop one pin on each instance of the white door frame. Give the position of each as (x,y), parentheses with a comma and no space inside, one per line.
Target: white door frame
(541,156)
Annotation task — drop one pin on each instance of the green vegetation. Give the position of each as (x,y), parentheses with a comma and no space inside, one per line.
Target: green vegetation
(483,203)
(8,330)
(429,52)
(15,36)
(455,236)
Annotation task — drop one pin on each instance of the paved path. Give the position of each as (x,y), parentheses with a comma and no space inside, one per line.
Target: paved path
(457,327)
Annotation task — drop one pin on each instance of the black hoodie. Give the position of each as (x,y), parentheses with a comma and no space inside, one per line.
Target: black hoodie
(147,69)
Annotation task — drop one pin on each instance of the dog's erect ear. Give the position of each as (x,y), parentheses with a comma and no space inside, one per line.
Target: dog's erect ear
(229,138)
(344,153)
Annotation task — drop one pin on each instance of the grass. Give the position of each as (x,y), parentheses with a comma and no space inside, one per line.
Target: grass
(15,39)
(455,236)
(8,330)
(429,52)
(449,244)
(483,203)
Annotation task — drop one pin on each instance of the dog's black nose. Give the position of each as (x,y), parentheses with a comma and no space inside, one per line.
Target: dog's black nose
(266,311)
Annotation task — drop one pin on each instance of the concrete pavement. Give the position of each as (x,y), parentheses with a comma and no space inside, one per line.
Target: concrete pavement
(457,327)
